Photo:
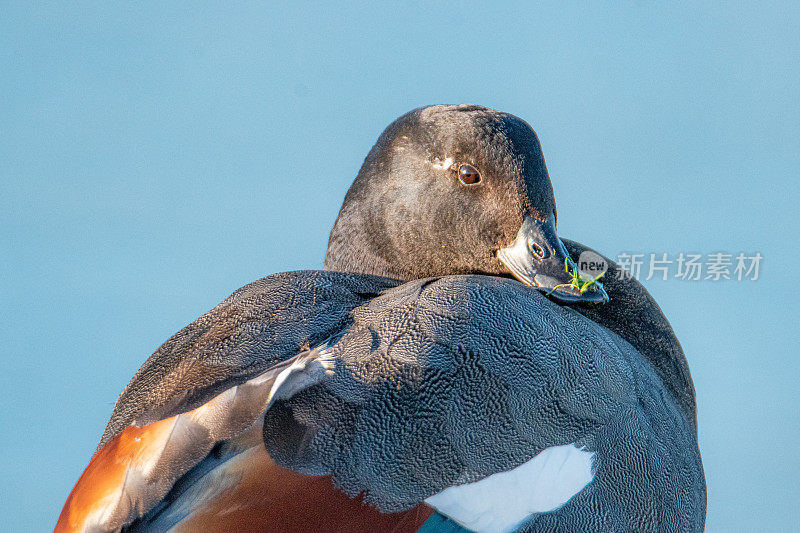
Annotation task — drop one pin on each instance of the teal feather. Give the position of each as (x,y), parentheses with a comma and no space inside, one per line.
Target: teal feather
(439,523)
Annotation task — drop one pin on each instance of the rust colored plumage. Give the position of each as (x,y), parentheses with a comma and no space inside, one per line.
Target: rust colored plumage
(248,493)
(270,498)
(102,480)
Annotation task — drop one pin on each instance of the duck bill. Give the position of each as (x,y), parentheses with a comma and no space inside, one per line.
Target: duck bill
(538,258)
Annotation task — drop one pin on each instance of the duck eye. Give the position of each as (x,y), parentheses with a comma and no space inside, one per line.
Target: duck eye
(468,175)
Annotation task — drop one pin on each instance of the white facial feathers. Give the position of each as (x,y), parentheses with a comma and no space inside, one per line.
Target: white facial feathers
(443,164)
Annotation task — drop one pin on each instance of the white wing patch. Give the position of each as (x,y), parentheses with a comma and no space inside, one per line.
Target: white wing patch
(498,503)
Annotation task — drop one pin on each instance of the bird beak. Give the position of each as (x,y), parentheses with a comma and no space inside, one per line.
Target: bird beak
(538,258)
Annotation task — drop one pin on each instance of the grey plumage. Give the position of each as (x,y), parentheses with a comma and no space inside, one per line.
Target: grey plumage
(257,326)
(444,381)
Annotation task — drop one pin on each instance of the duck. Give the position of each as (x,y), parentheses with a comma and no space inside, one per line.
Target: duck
(443,372)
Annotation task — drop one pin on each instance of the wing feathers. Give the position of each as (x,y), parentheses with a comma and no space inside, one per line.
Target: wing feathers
(137,468)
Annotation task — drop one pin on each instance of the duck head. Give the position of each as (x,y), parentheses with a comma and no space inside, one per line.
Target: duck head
(456,190)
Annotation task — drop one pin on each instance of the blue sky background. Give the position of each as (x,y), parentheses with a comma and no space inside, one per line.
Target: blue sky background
(155,158)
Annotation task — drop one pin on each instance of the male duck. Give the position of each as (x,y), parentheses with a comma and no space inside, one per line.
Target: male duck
(414,385)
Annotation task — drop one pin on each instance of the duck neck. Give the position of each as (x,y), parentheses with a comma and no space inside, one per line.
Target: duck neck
(357,259)
(352,247)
